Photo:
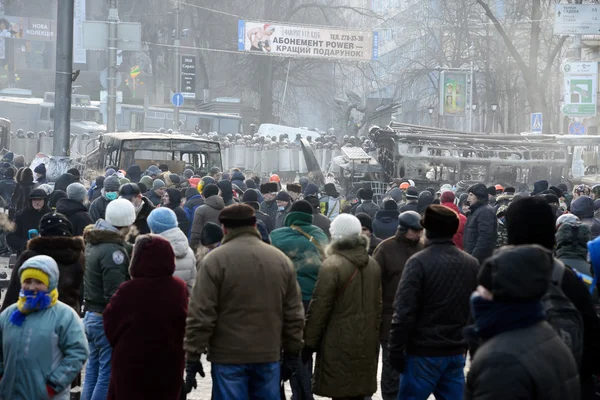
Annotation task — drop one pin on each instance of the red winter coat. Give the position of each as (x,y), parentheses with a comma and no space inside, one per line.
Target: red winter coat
(145,325)
(458,237)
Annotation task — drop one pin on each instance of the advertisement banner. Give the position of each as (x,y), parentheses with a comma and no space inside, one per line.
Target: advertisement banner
(453,93)
(12,27)
(40,29)
(307,41)
(188,76)
(581,87)
(79,53)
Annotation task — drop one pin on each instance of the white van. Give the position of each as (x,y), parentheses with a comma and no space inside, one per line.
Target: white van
(276,130)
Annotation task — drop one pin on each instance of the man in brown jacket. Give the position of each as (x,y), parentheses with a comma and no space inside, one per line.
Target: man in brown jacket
(245,307)
(207,212)
(391,255)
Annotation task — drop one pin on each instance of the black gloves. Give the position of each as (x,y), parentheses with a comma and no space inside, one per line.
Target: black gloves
(289,363)
(306,354)
(396,360)
(191,368)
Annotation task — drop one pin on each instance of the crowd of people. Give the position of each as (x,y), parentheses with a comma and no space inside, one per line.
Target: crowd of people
(145,272)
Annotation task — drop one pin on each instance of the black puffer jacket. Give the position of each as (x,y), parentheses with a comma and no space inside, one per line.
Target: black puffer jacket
(77,214)
(20,196)
(481,231)
(174,204)
(385,224)
(431,307)
(26,220)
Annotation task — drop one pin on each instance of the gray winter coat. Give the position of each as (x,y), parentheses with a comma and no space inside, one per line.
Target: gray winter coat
(368,207)
(481,231)
(185,261)
(208,212)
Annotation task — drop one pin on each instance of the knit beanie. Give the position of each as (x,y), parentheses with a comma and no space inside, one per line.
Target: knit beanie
(479,190)
(76,191)
(111,184)
(250,184)
(447,197)
(365,221)
(283,196)
(188,173)
(250,196)
(345,226)
(530,220)
(412,193)
(109,172)
(211,234)
(55,224)
(210,190)
(162,219)
(157,184)
(120,213)
(302,206)
(42,268)
(146,180)
(40,169)
(390,205)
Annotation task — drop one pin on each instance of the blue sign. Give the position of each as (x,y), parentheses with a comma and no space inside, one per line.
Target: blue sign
(537,123)
(577,128)
(177,100)
(241,35)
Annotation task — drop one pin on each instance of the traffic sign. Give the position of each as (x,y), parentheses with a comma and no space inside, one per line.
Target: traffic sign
(581,85)
(577,128)
(537,123)
(577,19)
(177,100)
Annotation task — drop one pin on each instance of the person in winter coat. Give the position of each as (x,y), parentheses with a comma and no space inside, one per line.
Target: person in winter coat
(163,221)
(367,230)
(109,193)
(238,179)
(284,204)
(367,206)
(223,305)
(56,240)
(172,200)
(27,220)
(193,201)
(425,200)
(571,246)
(319,220)
(143,207)
(208,212)
(74,209)
(20,197)
(481,229)
(41,324)
(250,197)
(386,220)
(269,205)
(519,355)
(447,200)
(210,239)
(431,308)
(226,191)
(96,189)
(331,203)
(7,186)
(134,173)
(531,221)
(106,268)
(392,255)
(345,313)
(583,208)
(412,197)
(156,193)
(147,342)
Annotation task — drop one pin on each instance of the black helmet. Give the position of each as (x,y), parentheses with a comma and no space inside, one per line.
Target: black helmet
(409,220)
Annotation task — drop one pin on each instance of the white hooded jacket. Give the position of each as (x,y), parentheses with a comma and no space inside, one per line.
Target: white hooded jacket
(185,261)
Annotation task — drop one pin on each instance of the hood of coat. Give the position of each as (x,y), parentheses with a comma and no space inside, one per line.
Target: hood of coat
(298,218)
(178,241)
(102,232)
(64,250)
(69,207)
(571,241)
(226,190)
(353,249)
(153,257)
(174,198)
(387,216)
(583,207)
(215,202)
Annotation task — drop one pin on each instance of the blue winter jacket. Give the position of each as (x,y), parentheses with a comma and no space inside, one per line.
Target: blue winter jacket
(385,223)
(50,348)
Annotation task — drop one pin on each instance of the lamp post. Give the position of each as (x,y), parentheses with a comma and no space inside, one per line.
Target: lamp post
(494,108)
(430,111)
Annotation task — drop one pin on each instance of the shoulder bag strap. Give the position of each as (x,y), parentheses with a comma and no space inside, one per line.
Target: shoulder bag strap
(314,241)
(342,290)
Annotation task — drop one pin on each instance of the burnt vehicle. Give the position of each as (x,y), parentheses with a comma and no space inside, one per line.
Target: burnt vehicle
(439,156)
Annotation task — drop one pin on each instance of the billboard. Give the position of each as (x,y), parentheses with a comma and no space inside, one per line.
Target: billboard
(188,76)
(581,87)
(453,93)
(307,41)
(27,28)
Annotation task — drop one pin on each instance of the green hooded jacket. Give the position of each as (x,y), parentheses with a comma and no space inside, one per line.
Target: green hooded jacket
(304,254)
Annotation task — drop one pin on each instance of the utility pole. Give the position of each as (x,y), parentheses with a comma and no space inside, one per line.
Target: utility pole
(177,43)
(64,76)
(472,55)
(113,22)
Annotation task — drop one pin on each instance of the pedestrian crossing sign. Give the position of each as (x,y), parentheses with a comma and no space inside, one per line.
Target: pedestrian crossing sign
(537,123)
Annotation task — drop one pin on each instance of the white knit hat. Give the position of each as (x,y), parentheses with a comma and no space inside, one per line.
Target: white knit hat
(120,213)
(344,226)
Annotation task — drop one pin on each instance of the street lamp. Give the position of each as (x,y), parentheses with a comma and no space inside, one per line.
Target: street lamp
(430,110)
(474,107)
(494,108)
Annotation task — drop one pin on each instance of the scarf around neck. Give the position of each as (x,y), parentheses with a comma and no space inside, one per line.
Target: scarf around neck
(31,301)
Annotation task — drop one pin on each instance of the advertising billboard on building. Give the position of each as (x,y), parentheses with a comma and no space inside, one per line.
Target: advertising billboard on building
(27,28)
(307,41)
(453,93)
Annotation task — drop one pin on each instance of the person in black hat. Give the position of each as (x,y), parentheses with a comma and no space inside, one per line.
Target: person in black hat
(431,309)
(172,199)
(412,197)
(269,205)
(207,212)
(481,229)
(540,186)
(250,197)
(143,206)
(491,195)
(385,223)
(74,209)
(367,225)
(367,206)
(28,220)
(56,240)
(7,186)
(513,338)
(284,203)
(40,174)
(319,220)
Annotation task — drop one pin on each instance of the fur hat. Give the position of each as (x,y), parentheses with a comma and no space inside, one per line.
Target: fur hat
(270,187)
(345,226)
(294,187)
(530,220)
(237,216)
(161,219)
(509,190)
(211,234)
(439,222)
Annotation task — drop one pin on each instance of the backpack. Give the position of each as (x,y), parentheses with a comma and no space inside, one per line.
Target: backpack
(562,315)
